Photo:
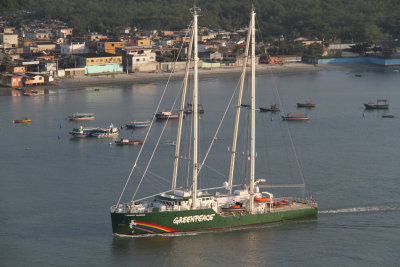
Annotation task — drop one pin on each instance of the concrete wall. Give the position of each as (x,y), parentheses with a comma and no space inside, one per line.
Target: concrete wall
(94,69)
(209,65)
(372,60)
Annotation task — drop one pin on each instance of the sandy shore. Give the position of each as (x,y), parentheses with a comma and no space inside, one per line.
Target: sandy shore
(149,77)
(232,71)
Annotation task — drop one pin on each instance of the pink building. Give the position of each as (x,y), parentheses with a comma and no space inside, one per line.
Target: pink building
(63,33)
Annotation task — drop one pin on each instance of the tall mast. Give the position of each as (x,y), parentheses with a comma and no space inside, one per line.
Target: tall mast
(195,10)
(239,102)
(183,100)
(253,110)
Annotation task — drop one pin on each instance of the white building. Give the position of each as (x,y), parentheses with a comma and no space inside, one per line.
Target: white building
(8,40)
(39,34)
(143,60)
(74,48)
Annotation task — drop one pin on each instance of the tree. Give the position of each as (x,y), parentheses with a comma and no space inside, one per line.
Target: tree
(315,49)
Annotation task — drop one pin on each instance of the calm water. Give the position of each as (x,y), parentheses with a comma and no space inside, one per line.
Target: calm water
(55,196)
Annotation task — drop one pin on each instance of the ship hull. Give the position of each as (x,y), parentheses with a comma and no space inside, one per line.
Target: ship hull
(373,106)
(131,224)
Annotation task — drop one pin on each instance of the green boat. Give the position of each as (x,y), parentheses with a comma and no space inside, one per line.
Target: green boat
(193,209)
(305,105)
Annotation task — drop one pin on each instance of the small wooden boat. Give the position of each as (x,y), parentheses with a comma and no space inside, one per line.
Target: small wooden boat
(387,116)
(26,120)
(245,105)
(306,105)
(380,104)
(138,124)
(189,108)
(165,115)
(125,141)
(295,117)
(82,116)
(273,108)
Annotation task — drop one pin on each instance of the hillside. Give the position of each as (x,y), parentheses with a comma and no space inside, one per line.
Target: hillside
(356,20)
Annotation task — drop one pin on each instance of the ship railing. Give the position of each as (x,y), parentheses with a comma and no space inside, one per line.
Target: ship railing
(121,208)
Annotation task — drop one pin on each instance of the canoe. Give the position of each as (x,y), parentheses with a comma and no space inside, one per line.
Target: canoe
(305,105)
(22,121)
(295,117)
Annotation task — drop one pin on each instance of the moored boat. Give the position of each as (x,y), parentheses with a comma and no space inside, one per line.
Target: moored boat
(194,209)
(388,116)
(26,120)
(306,105)
(138,124)
(272,108)
(295,117)
(83,131)
(81,116)
(165,115)
(189,108)
(106,132)
(126,141)
(380,104)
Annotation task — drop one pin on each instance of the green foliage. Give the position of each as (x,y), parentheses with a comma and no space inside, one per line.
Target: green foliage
(315,50)
(349,21)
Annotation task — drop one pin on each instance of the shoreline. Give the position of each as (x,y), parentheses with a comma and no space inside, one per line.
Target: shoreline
(144,78)
(152,77)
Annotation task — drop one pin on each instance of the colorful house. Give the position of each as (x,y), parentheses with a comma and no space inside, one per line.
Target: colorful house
(109,47)
(100,63)
(34,80)
(12,80)
(15,69)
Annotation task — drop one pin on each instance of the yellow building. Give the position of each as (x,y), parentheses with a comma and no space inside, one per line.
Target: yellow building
(109,47)
(144,42)
(101,60)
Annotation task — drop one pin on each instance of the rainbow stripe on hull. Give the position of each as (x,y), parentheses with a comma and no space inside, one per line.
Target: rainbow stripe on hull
(150,228)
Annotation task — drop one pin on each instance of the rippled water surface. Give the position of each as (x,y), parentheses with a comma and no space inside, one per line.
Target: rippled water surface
(55,191)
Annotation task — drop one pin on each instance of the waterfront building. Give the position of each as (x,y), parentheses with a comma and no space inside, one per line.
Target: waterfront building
(100,63)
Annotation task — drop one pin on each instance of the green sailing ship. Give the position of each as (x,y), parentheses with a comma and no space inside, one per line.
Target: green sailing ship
(195,209)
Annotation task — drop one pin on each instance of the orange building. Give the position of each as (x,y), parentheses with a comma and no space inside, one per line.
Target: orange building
(15,69)
(12,81)
(109,47)
(34,80)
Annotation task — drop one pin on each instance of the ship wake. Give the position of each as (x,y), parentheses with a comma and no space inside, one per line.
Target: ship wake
(392,207)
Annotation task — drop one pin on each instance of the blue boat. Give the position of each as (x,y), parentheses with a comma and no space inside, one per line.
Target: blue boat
(138,124)
(165,115)
(83,132)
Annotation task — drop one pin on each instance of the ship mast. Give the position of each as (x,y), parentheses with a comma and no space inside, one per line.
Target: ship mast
(183,100)
(239,102)
(253,111)
(195,10)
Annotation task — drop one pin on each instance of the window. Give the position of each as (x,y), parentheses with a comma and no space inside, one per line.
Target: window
(137,60)
(144,60)
(92,60)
